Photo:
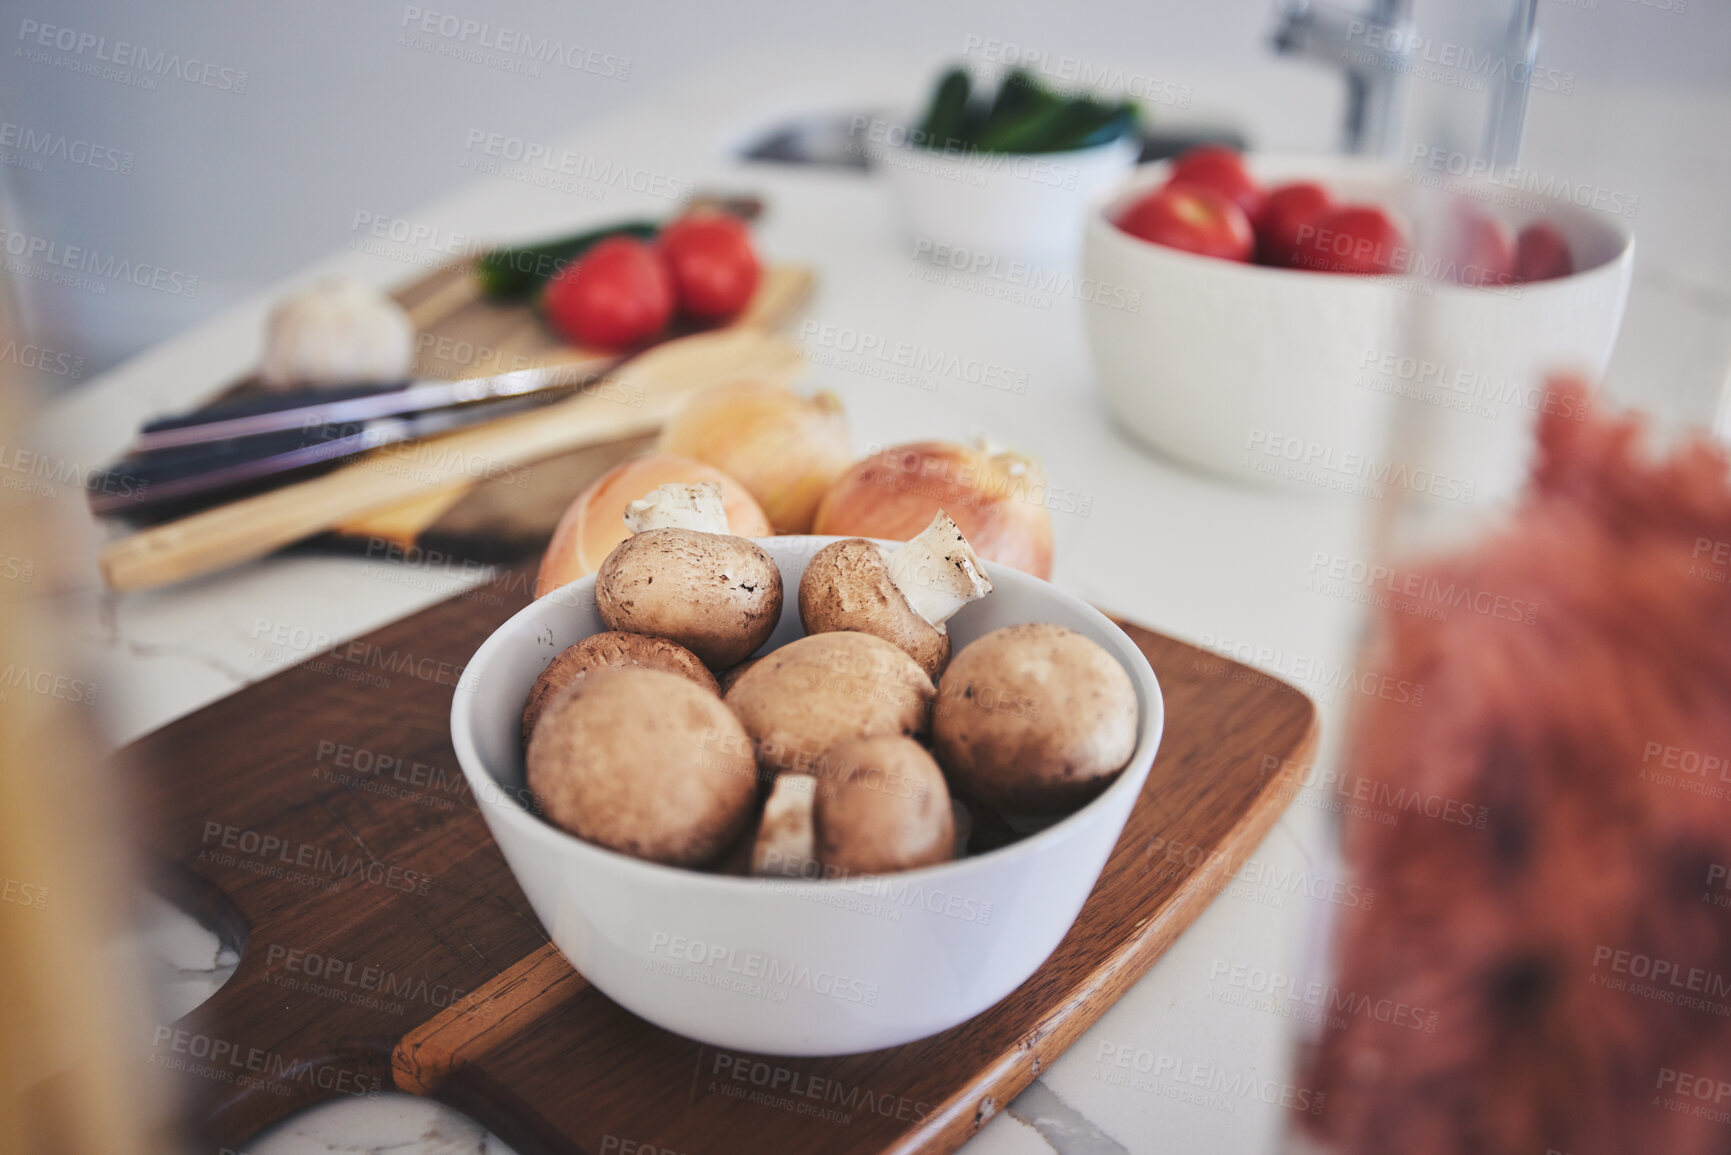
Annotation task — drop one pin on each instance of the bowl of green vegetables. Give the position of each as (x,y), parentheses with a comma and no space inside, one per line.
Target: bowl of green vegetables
(985,173)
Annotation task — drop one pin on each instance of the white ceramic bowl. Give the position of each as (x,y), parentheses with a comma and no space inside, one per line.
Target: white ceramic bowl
(793,967)
(1291,377)
(996,204)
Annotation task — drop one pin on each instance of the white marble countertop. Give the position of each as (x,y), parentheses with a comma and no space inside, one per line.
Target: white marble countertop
(1196,558)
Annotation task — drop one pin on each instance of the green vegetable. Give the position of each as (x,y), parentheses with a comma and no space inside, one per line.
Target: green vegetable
(1023,117)
(945,120)
(973,121)
(1028,131)
(1089,123)
(512,274)
(1122,121)
(1019,93)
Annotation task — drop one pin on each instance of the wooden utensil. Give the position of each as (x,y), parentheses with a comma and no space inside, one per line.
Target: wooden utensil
(635,399)
(319,818)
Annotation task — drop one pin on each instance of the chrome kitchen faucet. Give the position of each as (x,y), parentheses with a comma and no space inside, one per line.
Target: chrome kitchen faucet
(1374,49)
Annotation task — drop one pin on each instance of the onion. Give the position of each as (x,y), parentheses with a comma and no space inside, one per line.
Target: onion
(785,449)
(595,522)
(996,497)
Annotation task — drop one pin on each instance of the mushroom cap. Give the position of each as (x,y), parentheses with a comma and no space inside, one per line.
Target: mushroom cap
(882,805)
(644,762)
(847,586)
(605,650)
(1034,718)
(725,679)
(718,596)
(803,698)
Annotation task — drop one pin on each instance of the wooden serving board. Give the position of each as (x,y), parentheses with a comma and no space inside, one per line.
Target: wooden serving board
(318,820)
(461,334)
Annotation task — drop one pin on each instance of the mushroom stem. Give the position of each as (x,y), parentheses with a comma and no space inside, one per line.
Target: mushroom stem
(784,843)
(938,571)
(700,506)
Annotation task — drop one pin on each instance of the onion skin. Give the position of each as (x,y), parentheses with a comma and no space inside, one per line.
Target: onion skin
(786,449)
(595,522)
(995,499)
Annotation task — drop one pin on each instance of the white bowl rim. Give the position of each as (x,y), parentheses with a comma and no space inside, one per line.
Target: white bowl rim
(1151,730)
(976,156)
(1146,176)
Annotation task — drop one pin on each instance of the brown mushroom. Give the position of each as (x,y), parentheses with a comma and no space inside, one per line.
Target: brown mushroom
(1034,719)
(847,587)
(903,597)
(803,698)
(727,677)
(718,595)
(644,762)
(604,651)
(881,806)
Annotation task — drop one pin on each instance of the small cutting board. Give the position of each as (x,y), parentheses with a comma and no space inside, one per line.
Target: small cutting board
(318,820)
(461,334)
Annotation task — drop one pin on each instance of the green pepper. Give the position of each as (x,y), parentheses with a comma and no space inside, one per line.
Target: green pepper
(944,122)
(1026,131)
(1019,94)
(515,273)
(1023,116)
(972,122)
(1087,124)
(1027,118)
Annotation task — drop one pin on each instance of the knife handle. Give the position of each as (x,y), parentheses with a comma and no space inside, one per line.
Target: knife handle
(266,403)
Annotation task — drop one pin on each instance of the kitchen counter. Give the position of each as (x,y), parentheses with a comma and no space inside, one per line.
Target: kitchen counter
(1220,564)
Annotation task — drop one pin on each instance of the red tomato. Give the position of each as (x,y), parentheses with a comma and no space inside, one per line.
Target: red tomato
(1484,250)
(619,293)
(1541,254)
(715,270)
(1285,210)
(1194,218)
(1223,170)
(1354,239)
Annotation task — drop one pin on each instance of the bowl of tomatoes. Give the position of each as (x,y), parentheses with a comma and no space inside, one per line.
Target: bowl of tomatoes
(1290,306)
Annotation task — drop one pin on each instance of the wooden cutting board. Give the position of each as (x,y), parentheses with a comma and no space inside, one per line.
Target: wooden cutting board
(461,334)
(318,820)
